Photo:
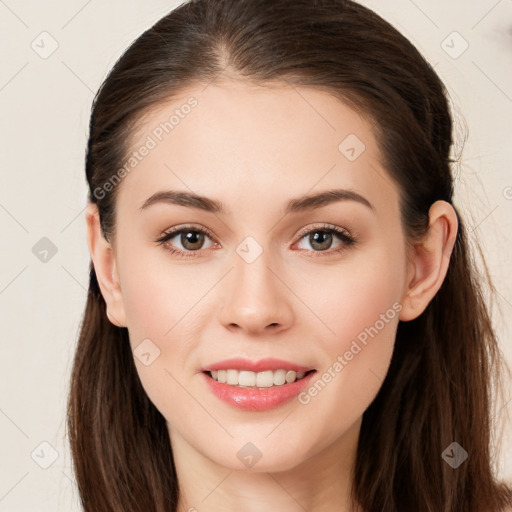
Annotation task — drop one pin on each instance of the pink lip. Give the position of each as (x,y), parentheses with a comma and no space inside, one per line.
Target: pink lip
(257,399)
(239,363)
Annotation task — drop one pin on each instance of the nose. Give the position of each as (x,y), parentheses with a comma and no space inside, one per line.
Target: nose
(255,298)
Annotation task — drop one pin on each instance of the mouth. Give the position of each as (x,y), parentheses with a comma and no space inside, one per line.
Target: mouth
(262,379)
(263,390)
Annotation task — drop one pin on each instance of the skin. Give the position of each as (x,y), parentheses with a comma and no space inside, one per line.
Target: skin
(254,148)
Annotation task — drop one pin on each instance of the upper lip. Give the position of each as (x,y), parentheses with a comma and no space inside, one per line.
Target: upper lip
(239,363)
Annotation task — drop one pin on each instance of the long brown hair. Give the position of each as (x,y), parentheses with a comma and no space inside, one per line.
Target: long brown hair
(439,386)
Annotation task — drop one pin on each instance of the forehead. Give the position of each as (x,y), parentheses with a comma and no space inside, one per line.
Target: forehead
(235,139)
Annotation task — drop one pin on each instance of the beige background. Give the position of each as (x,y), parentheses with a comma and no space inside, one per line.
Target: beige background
(45,106)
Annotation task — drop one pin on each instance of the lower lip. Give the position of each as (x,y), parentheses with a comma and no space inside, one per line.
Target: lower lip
(257,399)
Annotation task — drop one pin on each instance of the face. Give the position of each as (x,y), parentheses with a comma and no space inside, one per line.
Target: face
(267,274)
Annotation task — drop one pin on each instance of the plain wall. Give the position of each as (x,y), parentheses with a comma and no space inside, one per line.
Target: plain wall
(45,104)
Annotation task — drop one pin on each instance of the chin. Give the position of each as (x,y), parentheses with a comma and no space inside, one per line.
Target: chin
(258,457)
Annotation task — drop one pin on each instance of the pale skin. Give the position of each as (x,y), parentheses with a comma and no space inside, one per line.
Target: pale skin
(254,149)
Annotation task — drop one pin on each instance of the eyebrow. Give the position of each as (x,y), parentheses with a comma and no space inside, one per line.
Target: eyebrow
(307,202)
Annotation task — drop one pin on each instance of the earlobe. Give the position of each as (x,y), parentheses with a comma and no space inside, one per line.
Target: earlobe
(429,260)
(103,259)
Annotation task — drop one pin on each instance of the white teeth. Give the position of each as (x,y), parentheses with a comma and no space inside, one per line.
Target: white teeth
(232,377)
(279,377)
(291,376)
(246,378)
(265,379)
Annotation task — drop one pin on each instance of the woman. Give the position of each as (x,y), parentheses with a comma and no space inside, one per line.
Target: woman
(283,312)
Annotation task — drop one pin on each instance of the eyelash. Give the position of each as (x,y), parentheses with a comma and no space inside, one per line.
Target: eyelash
(347,239)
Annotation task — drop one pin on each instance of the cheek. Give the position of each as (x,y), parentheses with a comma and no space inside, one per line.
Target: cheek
(155,302)
(155,296)
(162,316)
(360,314)
(356,294)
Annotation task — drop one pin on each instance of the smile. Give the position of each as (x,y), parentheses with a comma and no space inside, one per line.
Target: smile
(263,395)
(264,379)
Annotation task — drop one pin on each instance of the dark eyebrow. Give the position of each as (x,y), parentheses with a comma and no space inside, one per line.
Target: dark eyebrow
(320,199)
(188,199)
(308,202)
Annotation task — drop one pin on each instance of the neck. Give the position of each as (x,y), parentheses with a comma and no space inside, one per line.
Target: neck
(320,483)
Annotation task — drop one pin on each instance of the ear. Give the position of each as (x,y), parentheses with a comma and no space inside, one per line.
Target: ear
(103,259)
(429,259)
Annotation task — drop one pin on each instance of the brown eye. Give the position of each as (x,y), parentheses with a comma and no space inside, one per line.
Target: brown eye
(186,241)
(323,240)
(192,240)
(320,240)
